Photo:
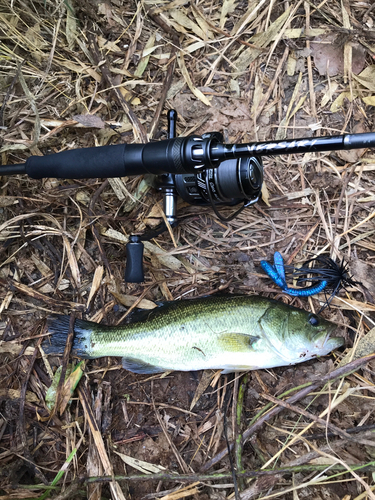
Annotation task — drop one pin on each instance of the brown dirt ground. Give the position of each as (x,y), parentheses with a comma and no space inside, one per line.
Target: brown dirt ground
(79,74)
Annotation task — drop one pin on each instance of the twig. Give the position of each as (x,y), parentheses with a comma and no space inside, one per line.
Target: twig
(68,348)
(168,476)
(180,460)
(336,430)
(345,183)
(95,232)
(272,85)
(169,76)
(30,97)
(228,395)
(7,95)
(166,86)
(21,421)
(351,430)
(70,490)
(139,131)
(238,441)
(99,443)
(302,393)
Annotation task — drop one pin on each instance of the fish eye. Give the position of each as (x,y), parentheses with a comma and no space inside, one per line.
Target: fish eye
(313,320)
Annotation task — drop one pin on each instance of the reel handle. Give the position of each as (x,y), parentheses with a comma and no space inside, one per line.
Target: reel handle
(134,248)
(134,260)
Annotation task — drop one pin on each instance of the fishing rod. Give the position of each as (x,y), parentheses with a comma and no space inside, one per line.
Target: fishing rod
(178,155)
(200,169)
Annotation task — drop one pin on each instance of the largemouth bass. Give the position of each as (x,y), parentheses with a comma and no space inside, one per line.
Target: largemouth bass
(232,333)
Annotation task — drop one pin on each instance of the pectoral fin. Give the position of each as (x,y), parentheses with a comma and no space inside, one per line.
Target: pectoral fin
(237,342)
(139,366)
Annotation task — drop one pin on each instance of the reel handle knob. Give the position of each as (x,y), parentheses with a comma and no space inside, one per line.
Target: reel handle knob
(134,260)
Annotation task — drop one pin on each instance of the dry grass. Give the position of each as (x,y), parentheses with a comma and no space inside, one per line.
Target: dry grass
(95,73)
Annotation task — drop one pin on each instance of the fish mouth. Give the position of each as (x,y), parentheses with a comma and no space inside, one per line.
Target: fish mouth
(330,343)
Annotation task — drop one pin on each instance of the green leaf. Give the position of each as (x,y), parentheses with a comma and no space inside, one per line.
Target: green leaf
(72,377)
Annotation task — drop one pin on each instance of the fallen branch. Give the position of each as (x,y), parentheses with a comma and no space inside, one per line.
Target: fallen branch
(169,476)
(304,391)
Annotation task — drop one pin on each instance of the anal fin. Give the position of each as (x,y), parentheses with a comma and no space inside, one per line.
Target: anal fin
(139,366)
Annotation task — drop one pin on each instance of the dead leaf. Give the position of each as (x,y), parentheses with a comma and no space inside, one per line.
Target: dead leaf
(186,491)
(16,394)
(339,101)
(246,58)
(252,8)
(227,7)
(70,27)
(202,386)
(262,40)
(145,184)
(83,197)
(367,77)
(300,32)
(328,93)
(89,121)
(129,300)
(142,65)
(265,194)
(105,9)
(34,37)
(186,22)
(291,64)
(329,56)
(6,201)
(72,377)
(96,282)
(163,257)
(12,147)
(365,346)
(195,46)
(154,217)
(82,68)
(369,100)
(13,347)
(70,384)
(141,465)
(353,155)
(119,188)
(185,74)
(364,273)
(108,45)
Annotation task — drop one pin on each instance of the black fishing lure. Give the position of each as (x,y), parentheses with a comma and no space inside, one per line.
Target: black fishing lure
(322,272)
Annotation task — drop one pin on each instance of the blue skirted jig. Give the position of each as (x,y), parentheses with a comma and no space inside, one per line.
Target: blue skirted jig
(328,277)
(277,274)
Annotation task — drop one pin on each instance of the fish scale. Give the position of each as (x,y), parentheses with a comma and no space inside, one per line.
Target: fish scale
(232,333)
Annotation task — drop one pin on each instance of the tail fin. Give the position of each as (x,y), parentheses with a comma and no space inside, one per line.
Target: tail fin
(58,326)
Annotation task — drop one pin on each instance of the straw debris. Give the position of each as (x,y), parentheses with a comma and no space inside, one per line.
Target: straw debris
(84,74)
